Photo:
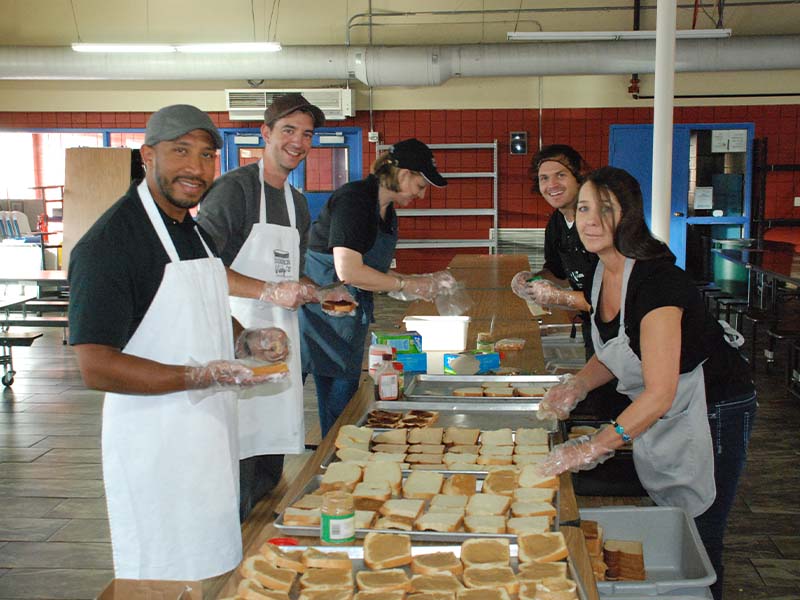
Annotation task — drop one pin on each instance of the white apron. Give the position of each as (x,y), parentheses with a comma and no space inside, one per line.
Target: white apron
(171,467)
(674,458)
(271,415)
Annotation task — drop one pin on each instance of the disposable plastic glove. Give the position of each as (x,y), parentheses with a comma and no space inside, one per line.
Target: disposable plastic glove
(288,294)
(222,373)
(416,287)
(561,398)
(544,292)
(336,294)
(268,344)
(579,454)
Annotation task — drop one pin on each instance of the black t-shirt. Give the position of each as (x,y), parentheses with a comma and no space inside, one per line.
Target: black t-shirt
(350,219)
(564,254)
(116,269)
(657,283)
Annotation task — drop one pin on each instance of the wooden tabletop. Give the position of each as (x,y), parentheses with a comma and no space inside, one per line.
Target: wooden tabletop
(497,304)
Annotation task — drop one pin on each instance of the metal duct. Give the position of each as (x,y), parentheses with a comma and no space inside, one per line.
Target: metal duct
(380,66)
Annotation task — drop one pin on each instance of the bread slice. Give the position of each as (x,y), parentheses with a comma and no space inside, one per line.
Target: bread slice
(341,593)
(483,594)
(485,524)
(355,455)
(390,472)
(390,448)
(492,578)
(301,517)
(422,484)
(436,562)
(536,591)
(401,523)
(385,580)
(486,552)
(365,518)
(425,435)
(283,559)
(313,558)
(533,509)
(465,466)
(533,571)
(522,494)
(460,484)
(352,435)
(531,449)
(409,508)
(625,560)
(382,595)
(521,460)
(448,503)
(450,458)
(432,596)
(327,578)
(386,550)
(534,436)
(488,504)
(498,437)
(372,490)
(386,457)
(498,391)
(541,547)
(267,575)
(439,521)
(492,468)
(529,391)
(436,582)
(426,449)
(461,436)
(496,450)
(494,459)
(520,525)
(428,467)
(531,477)
(252,590)
(340,476)
(308,501)
(465,448)
(395,436)
(502,483)
(468,391)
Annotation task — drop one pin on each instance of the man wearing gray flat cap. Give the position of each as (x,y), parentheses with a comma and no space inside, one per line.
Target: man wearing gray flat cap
(151,326)
(260,224)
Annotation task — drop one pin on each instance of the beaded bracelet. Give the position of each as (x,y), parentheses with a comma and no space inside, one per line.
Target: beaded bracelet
(621,431)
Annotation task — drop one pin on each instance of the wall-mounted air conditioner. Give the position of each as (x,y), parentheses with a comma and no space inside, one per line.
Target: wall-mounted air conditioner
(249,105)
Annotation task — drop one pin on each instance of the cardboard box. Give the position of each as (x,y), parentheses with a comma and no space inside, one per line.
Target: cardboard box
(146,589)
(480,363)
(413,363)
(405,342)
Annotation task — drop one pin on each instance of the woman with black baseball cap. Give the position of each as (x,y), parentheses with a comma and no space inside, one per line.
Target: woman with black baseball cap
(353,241)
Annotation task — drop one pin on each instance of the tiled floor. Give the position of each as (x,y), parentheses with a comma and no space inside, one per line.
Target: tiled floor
(54,540)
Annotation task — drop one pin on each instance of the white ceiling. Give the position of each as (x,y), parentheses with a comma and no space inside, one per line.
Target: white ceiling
(325,22)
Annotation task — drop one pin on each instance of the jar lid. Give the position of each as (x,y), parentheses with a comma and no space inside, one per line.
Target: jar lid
(286,541)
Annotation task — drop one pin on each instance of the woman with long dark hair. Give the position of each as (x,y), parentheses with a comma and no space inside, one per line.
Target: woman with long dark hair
(693,402)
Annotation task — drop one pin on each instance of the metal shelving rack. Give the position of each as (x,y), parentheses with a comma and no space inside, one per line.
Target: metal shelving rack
(491,241)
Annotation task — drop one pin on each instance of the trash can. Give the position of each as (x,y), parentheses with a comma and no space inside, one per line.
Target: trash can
(730,276)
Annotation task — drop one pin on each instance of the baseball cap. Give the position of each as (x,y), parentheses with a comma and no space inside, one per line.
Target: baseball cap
(289,103)
(171,122)
(414,155)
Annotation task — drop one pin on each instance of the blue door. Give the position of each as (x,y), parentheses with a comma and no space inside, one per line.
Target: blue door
(334,160)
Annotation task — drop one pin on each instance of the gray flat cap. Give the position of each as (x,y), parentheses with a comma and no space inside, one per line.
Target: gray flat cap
(171,122)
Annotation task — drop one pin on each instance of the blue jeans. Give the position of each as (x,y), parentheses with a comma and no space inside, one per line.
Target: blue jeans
(731,424)
(333,394)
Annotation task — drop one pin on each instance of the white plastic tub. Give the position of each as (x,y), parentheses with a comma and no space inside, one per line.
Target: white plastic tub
(674,557)
(440,333)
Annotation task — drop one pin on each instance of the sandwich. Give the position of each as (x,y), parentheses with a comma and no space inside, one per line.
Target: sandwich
(436,582)
(382,457)
(252,590)
(386,550)
(486,552)
(465,466)
(460,484)
(461,436)
(313,558)
(385,580)
(485,524)
(370,495)
(439,521)
(270,369)
(559,589)
(492,578)
(327,579)
(428,467)
(283,559)
(502,483)
(351,435)
(529,391)
(409,508)
(266,575)
(423,484)
(436,562)
(301,517)
(338,306)
(309,501)
(340,476)
(494,459)
(498,391)
(468,392)
(541,547)
(389,472)
(352,454)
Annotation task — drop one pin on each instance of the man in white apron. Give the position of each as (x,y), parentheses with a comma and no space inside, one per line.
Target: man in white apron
(260,225)
(150,324)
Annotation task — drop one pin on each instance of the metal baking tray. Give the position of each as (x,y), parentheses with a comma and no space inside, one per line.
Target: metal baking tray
(430,536)
(472,415)
(438,388)
(356,554)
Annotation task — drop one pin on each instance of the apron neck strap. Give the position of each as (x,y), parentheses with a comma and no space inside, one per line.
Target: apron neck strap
(287,196)
(154,215)
(598,282)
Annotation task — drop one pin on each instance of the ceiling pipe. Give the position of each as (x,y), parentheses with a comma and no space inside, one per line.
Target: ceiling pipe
(381,66)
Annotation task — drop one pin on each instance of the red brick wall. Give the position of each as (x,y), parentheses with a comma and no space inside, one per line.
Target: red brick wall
(584,129)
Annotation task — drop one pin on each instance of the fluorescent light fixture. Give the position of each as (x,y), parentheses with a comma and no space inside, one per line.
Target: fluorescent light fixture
(234,47)
(131,48)
(237,47)
(593,36)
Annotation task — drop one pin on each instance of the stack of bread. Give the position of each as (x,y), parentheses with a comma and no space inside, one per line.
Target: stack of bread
(593,533)
(443,449)
(385,419)
(624,560)
(482,570)
(507,501)
(493,389)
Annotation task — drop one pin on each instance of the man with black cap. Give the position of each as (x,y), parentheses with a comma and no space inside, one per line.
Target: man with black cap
(151,325)
(353,241)
(260,224)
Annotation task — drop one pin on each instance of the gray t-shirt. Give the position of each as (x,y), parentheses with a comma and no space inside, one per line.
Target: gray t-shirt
(231,206)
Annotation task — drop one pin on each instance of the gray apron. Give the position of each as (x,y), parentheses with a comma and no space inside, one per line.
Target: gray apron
(674,458)
(334,346)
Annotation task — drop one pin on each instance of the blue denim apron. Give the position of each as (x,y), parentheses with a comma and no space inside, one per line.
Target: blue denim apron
(334,346)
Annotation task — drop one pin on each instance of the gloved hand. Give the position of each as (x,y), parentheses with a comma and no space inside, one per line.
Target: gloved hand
(288,294)
(416,287)
(579,454)
(544,292)
(560,399)
(268,344)
(338,293)
(222,373)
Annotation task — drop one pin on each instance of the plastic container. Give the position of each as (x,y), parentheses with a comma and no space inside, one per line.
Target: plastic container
(674,557)
(337,518)
(440,333)
(376,352)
